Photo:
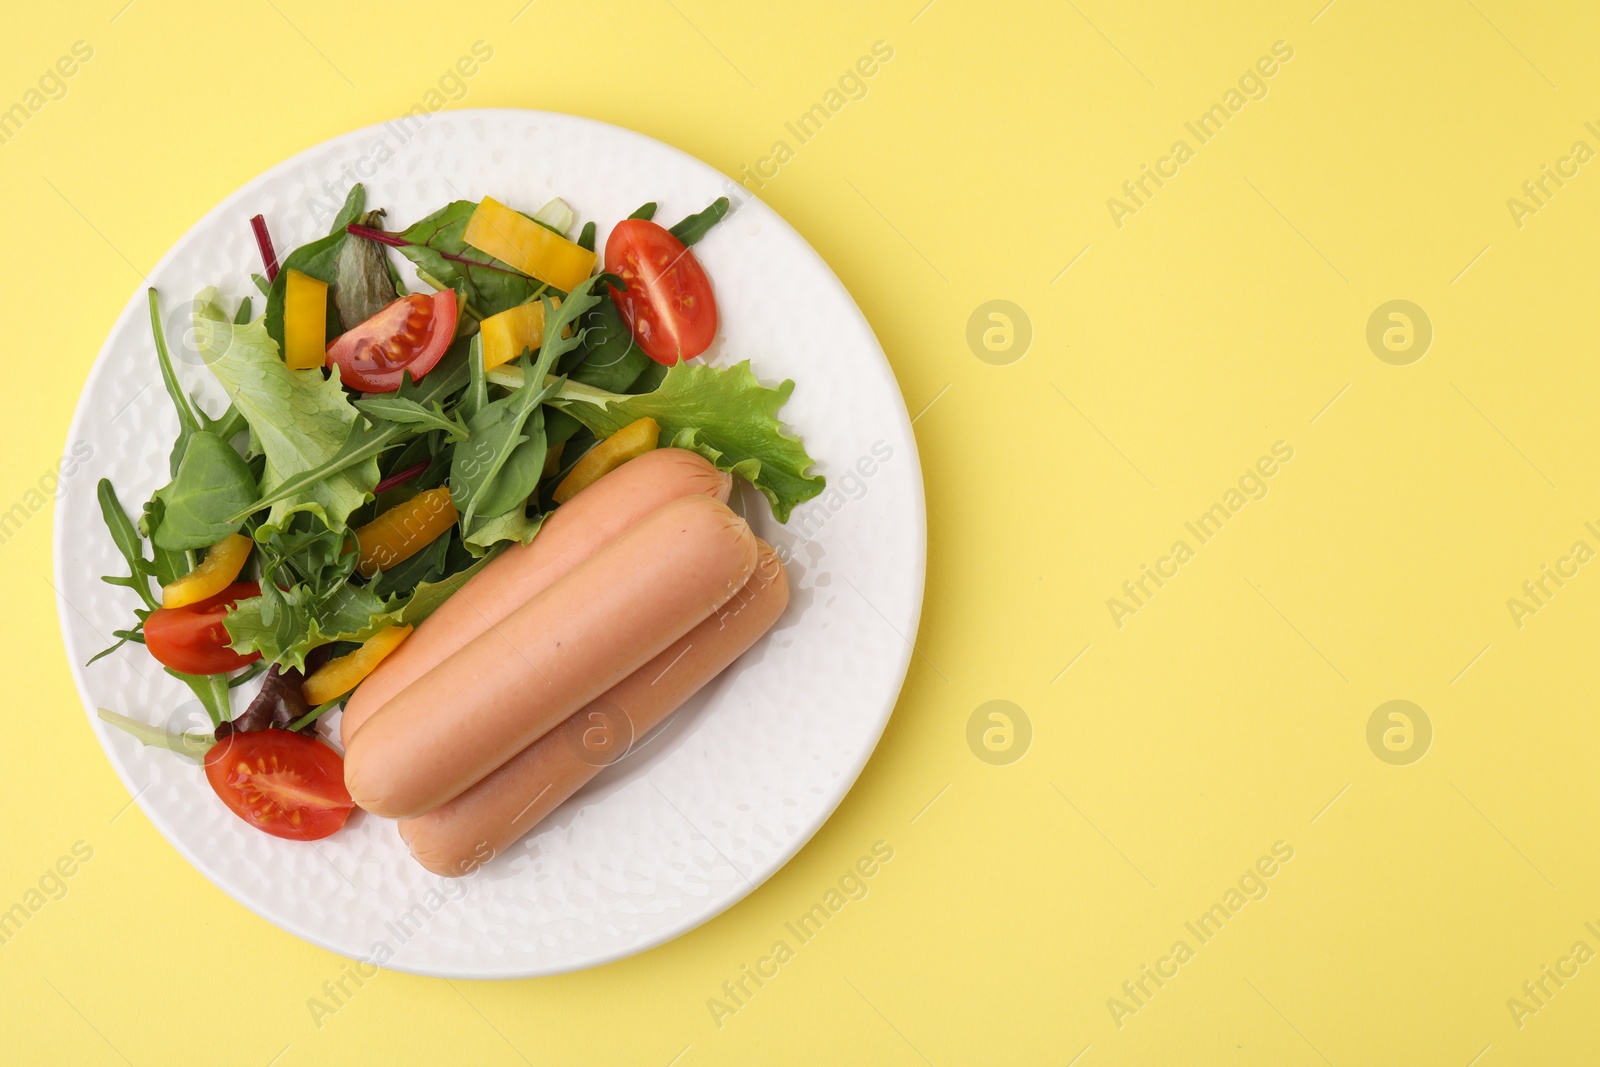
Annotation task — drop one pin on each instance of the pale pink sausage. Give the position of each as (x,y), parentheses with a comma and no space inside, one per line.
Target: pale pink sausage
(574,532)
(461,835)
(590,629)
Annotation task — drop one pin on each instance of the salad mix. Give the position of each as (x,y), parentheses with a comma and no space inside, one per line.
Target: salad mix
(381,446)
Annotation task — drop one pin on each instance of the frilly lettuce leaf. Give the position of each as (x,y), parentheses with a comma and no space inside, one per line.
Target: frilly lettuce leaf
(285,630)
(298,419)
(723,413)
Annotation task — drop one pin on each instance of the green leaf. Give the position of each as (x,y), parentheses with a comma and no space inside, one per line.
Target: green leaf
(212,483)
(696,226)
(610,359)
(319,260)
(409,413)
(514,525)
(364,445)
(481,484)
(438,250)
(519,476)
(285,632)
(298,419)
(429,596)
(723,413)
(362,284)
(126,537)
(211,690)
(192,746)
(645,212)
(428,565)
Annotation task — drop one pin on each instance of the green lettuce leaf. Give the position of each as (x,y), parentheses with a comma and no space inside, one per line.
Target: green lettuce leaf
(298,419)
(287,627)
(723,413)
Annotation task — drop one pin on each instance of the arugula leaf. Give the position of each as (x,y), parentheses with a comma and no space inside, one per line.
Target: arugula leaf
(129,543)
(363,446)
(645,212)
(193,746)
(412,414)
(188,413)
(484,482)
(436,247)
(696,226)
(319,260)
(723,413)
(212,483)
(211,690)
(298,419)
(169,564)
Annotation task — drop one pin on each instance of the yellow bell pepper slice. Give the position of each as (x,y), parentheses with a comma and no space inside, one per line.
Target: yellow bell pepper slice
(222,564)
(305,322)
(338,676)
(515,239)
(506,335)
(633,440)
(404,530)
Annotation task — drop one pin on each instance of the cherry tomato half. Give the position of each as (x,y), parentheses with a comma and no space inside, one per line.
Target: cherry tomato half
(282,783)
(410,334)
(668,303)
(193,639)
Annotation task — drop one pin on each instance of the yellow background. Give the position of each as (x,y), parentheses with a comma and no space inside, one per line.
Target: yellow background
(1223,717)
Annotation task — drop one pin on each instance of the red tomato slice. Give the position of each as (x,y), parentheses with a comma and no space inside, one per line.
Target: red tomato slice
(668,304)
(282,783)
(410,334)
(193,639)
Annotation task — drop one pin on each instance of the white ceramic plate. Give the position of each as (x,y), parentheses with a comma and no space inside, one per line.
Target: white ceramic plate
(717,799)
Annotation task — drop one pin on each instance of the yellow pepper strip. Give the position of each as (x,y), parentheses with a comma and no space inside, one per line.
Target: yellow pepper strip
(634,439)
(515,239)
(404,530)
(305,322)
(224,560)
(552,459)
(506,335)
(338,676)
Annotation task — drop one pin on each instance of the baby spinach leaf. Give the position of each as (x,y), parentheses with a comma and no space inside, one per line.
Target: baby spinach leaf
(213,482)
(126,537)
(609,359)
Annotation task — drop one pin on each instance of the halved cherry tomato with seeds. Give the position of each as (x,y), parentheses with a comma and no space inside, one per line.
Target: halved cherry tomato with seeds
(282,783)
(193,639)
(668,303)
(410,334)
